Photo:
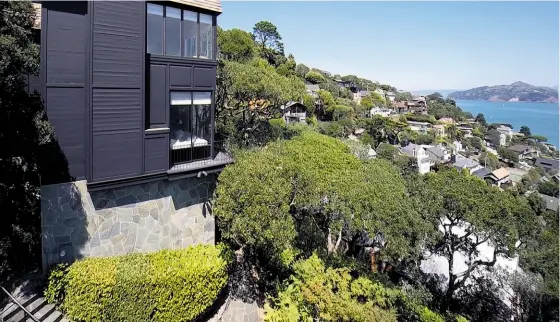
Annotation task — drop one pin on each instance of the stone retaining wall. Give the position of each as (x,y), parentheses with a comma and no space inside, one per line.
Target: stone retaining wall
(138,218)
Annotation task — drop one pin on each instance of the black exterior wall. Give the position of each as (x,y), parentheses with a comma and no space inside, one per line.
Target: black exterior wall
(107,99)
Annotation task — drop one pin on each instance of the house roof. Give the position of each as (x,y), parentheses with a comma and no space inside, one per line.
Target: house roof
(399,104)
(462,162)
(482,173)
(411,149)
(291,104)
(551,202)
(446,119)
(519,148)
(547,163)
(312,87)
(364,93)
(500,173)
(417,123)
(436,152)
(212,5)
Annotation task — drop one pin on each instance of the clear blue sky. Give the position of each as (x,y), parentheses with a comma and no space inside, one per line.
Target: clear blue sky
(416,45)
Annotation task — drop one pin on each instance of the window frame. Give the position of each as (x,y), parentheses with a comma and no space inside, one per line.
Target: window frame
(184,8)
(192,105)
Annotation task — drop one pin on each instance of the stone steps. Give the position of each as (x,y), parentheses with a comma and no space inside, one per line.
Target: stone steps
(36,305)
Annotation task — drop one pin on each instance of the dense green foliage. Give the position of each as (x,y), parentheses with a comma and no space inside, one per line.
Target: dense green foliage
(328,294)
(169,285)
(318,292)
(27,142)
(268,199)
(460,200)
(446,108)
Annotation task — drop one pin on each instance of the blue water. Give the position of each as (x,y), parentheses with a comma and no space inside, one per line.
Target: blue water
(541,118)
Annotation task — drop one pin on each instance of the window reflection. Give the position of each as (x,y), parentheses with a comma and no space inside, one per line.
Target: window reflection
(190,119)
(190,31)
(206,36)
(172,32)
(155,29)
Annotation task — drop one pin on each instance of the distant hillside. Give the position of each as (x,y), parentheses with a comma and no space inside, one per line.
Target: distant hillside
(443,92)
(516,92)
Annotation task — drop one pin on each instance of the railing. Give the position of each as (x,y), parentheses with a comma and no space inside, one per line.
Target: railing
(12,299)
(200,156)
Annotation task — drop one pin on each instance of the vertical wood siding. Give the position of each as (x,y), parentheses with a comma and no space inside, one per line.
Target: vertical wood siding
(117,85)
(64,77)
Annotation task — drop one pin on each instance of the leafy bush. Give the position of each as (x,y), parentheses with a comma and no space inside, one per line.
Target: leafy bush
(341,112)
(328,294)
(314,77)
(56,284)
(169,285)
(318,292)
(277,122)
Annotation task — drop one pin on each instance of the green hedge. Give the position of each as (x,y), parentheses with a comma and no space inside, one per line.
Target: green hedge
(169,285)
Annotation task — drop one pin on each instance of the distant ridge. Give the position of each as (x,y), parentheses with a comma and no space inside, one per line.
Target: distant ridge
(516,92)
(443,92)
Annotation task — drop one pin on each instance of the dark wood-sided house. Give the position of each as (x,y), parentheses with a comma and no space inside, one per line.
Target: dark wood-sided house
(129,87)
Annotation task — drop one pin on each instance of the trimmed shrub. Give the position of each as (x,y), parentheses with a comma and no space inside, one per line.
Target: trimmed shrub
(54,294)
(280,122)
(314,77)
(169,285)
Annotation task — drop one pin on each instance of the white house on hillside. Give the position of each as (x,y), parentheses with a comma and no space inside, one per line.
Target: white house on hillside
(424,162)
(385,112)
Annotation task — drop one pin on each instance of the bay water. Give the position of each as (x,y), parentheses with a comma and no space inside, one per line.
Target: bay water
(541,118)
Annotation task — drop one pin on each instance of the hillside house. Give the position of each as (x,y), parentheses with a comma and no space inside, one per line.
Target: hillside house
(294,112)
(400,107)
(420,127)
(547,164)
(312,89)
(551,202)
(524,151)
(446,120)
(439,129)
(130,90)
(418,105)
(499,176)
(506,130)
(423,160)
(438,153)
(385,112)
(467,131)
(391,96)
(460,162)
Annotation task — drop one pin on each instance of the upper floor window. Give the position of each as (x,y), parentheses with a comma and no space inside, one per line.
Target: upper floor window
(179,33)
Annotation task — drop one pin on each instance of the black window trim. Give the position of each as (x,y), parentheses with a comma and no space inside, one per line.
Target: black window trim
(196,10)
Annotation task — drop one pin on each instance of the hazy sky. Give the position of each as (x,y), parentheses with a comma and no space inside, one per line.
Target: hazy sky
(416,45)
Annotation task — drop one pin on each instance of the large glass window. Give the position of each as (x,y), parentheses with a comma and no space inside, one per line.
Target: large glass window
(155,29)
(172,32)
(175,32)
(190,32)
(190,119)
(206,36)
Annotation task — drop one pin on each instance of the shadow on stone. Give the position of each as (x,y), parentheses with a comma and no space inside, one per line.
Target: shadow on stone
(135,218)
(64,223)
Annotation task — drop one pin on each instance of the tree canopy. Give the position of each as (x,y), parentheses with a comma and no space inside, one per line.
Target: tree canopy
(236,44)
(453,201)
(270,199)
(24,138)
